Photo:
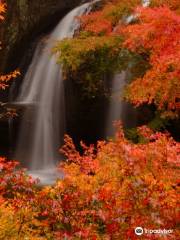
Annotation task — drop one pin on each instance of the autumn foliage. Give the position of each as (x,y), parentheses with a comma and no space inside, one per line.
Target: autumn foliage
(158,33)
(106,192)
(152,33)
(2,10)
(114,186)
(119,185)
(103,22)
(4,79)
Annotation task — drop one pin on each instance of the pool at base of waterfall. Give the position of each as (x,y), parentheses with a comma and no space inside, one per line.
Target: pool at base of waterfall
(47,176)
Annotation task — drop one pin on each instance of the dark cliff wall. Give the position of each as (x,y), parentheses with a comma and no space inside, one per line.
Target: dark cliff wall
(24,20)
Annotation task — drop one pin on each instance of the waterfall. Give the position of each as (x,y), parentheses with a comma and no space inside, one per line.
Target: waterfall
(115,110)
(118,109)
(42,96)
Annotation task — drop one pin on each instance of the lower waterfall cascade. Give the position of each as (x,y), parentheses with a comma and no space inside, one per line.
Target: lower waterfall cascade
(42,96)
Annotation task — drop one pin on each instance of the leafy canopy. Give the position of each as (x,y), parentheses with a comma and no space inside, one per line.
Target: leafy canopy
(153,34)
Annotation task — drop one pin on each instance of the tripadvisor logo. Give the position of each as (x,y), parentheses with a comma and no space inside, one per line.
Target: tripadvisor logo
(139,231)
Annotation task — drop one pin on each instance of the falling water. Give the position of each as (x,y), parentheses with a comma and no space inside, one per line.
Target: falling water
(146,3)
(42,96)
(118,109)
(115,110)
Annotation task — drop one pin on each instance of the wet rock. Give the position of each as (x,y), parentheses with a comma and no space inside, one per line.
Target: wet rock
(24,21)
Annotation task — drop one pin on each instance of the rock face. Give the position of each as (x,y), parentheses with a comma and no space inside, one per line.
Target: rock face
(24,20)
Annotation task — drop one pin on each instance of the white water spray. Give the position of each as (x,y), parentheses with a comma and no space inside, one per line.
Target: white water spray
(42,96)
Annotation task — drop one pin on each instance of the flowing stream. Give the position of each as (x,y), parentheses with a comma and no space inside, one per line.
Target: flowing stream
(42,96)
